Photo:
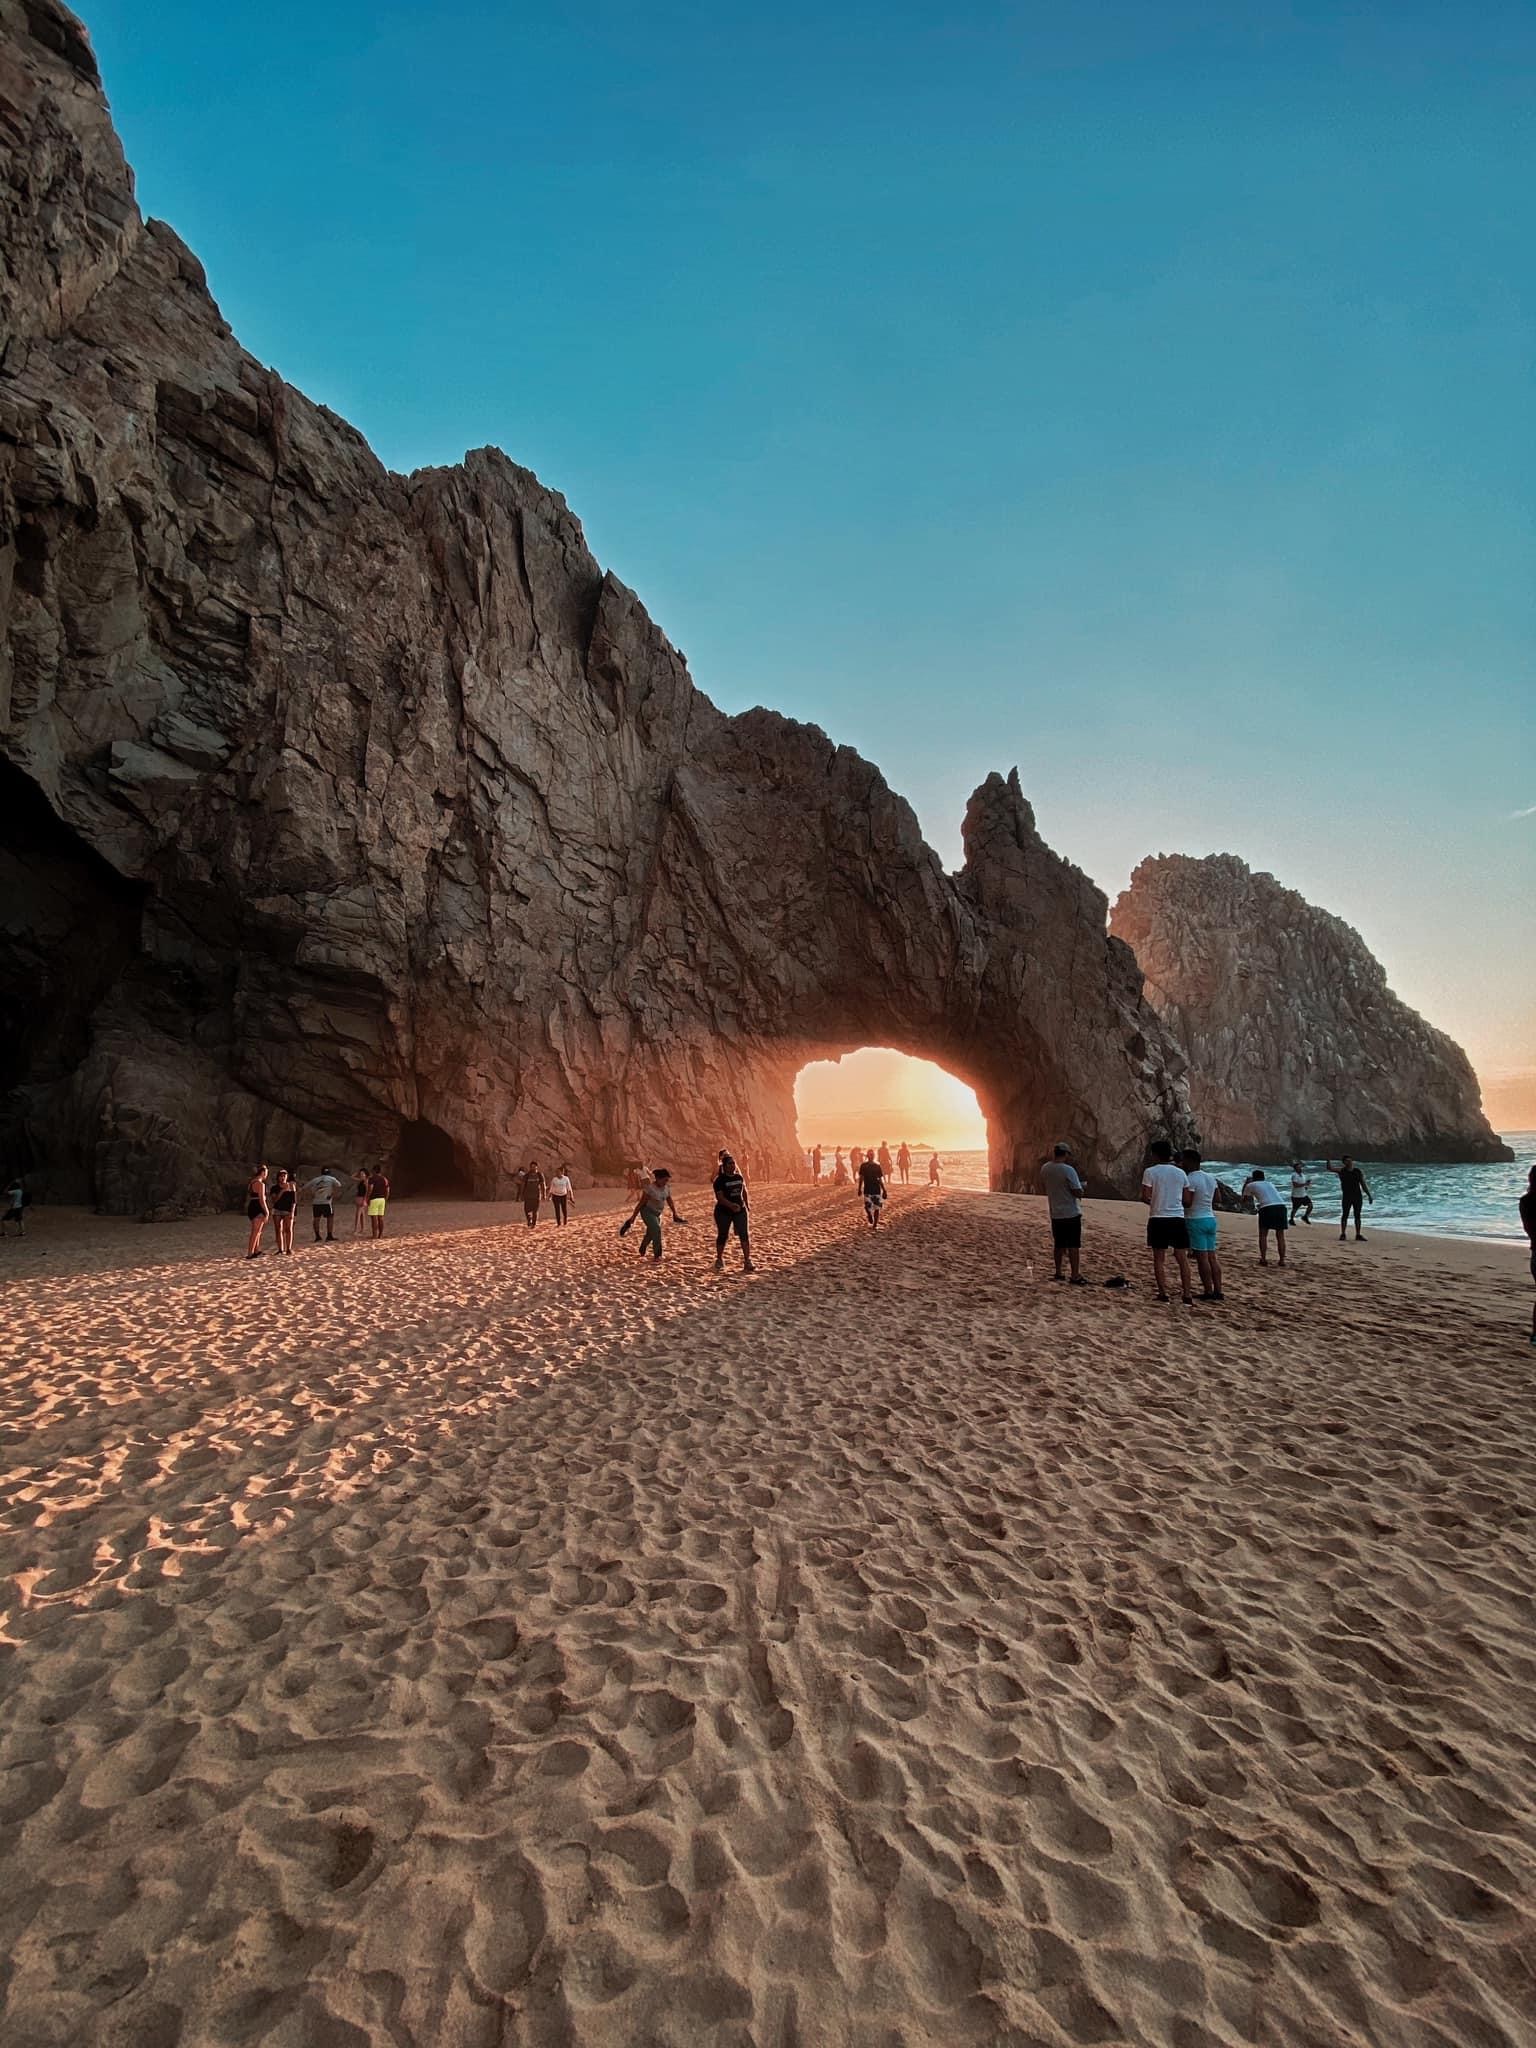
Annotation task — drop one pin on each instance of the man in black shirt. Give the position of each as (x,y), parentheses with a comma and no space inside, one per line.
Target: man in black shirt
(732,1212)
(1528,1220)
(872,1188)
(1352,1185)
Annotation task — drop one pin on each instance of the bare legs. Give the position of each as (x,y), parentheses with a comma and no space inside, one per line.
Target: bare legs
(1160,1268)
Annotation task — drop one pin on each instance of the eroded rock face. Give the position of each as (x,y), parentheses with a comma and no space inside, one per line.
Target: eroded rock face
(354,815)
(1296,1045)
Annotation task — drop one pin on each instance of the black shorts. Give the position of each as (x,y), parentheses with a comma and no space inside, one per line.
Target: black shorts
(1273,1217)
(322,1209)
(253,1210)
(1168,1233)
(1067,1233)
(727,1220)
(12,1216)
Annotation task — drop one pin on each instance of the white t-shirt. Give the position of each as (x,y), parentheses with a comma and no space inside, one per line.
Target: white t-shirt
(1167,1184)
(560,1185)
(1266,1196)
(1300,1182)
(323,1187)
(1203,1186)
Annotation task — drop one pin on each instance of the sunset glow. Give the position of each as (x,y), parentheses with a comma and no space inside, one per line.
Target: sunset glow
(876,1094)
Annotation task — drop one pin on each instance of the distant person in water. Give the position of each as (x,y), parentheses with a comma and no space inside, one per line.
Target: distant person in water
(257,1210)
(1301,1192)
(935,1170)
(532,1187)
(1528,1223)
(1063,1190)
(904,1162)
(378,1201)
(15,1208)
(323,1190)
(562,1192)
(655,1200)
(1200,1221)
(872,1186)
(732,1213)
(1165,1190)
(887,1163)
(360,1201)
(1270,1203)
(1352,1186)
(285,1199)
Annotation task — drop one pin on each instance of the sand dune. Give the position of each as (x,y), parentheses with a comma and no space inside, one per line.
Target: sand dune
(482,1639)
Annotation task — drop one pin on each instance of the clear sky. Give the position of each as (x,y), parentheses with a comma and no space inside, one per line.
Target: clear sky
(1141,394)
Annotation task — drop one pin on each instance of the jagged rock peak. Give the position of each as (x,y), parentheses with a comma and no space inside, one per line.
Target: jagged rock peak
(1296,1044)
(347,815)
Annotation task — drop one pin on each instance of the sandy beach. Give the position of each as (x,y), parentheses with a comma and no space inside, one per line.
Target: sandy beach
(479,1638)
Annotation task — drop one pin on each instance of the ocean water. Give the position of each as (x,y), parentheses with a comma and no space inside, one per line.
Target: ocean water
(1439,1201)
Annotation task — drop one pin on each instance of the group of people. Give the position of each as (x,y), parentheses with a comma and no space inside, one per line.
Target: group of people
(1180,1195)
(274,1199)
(532,1188)
(733,1212)
(847,1170)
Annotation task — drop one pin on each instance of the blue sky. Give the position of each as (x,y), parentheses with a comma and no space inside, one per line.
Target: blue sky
(1143,395)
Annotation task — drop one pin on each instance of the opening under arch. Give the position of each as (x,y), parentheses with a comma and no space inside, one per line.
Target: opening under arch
(876,1095)
(427,1162)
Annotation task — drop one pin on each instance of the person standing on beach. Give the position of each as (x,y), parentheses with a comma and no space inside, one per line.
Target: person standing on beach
(816,1164)
(935,1170)
(904,1162)
(378,1201)
(1063,1189)
(1352,1186)
(323,1190)
(15,1208)
(887,1163)
(873,1188)
(532,1187)
(1301,1191)
(285,1199)
(1528,1223)
(1270,1204)
(840,1170)
(1165,1190)
(360,1201)
(732,1212)
(562,1192)
(1200,1221)
(257,1210)
(655,1199)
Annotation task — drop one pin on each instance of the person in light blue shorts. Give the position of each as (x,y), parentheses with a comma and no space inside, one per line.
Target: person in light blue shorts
(1200,1217)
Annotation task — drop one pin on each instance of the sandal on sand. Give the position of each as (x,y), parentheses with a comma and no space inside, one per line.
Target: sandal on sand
(1162,1297)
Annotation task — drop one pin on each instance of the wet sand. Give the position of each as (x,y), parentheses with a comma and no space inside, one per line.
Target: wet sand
(480,1638)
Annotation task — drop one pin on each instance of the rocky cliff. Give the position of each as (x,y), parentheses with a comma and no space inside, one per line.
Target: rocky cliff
(345,814)
(1296,1044)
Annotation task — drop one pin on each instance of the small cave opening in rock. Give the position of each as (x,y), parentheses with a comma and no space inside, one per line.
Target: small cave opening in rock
(428,1162)
(876,1096)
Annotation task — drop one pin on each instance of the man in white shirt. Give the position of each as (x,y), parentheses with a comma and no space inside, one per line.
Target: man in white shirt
(1063,1190)
(1165,1190)
(1200,1221)
(1301,1191)
(322,1198)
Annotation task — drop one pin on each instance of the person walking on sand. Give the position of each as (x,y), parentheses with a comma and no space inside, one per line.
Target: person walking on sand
(1165,1190)
(1528,1224)
(873,1188)
(655,1200)
(1301,1192)
(257,1210)
(323,1190)
(1352,1186)
(1270,1204)
(360,1201)
(1063,1191)
(378,1201)
(816,1164)
(904,1162)
(562,1192)
(1200,1221)
(532,1187)
(285,1199)
(733,1211)
(935,1169)
(15,1208)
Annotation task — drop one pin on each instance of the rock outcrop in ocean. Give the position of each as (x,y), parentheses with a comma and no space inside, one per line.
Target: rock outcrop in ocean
(1296,1045)
(346,814)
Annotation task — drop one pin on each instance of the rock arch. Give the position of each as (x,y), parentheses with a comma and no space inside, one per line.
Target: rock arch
(427,819)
